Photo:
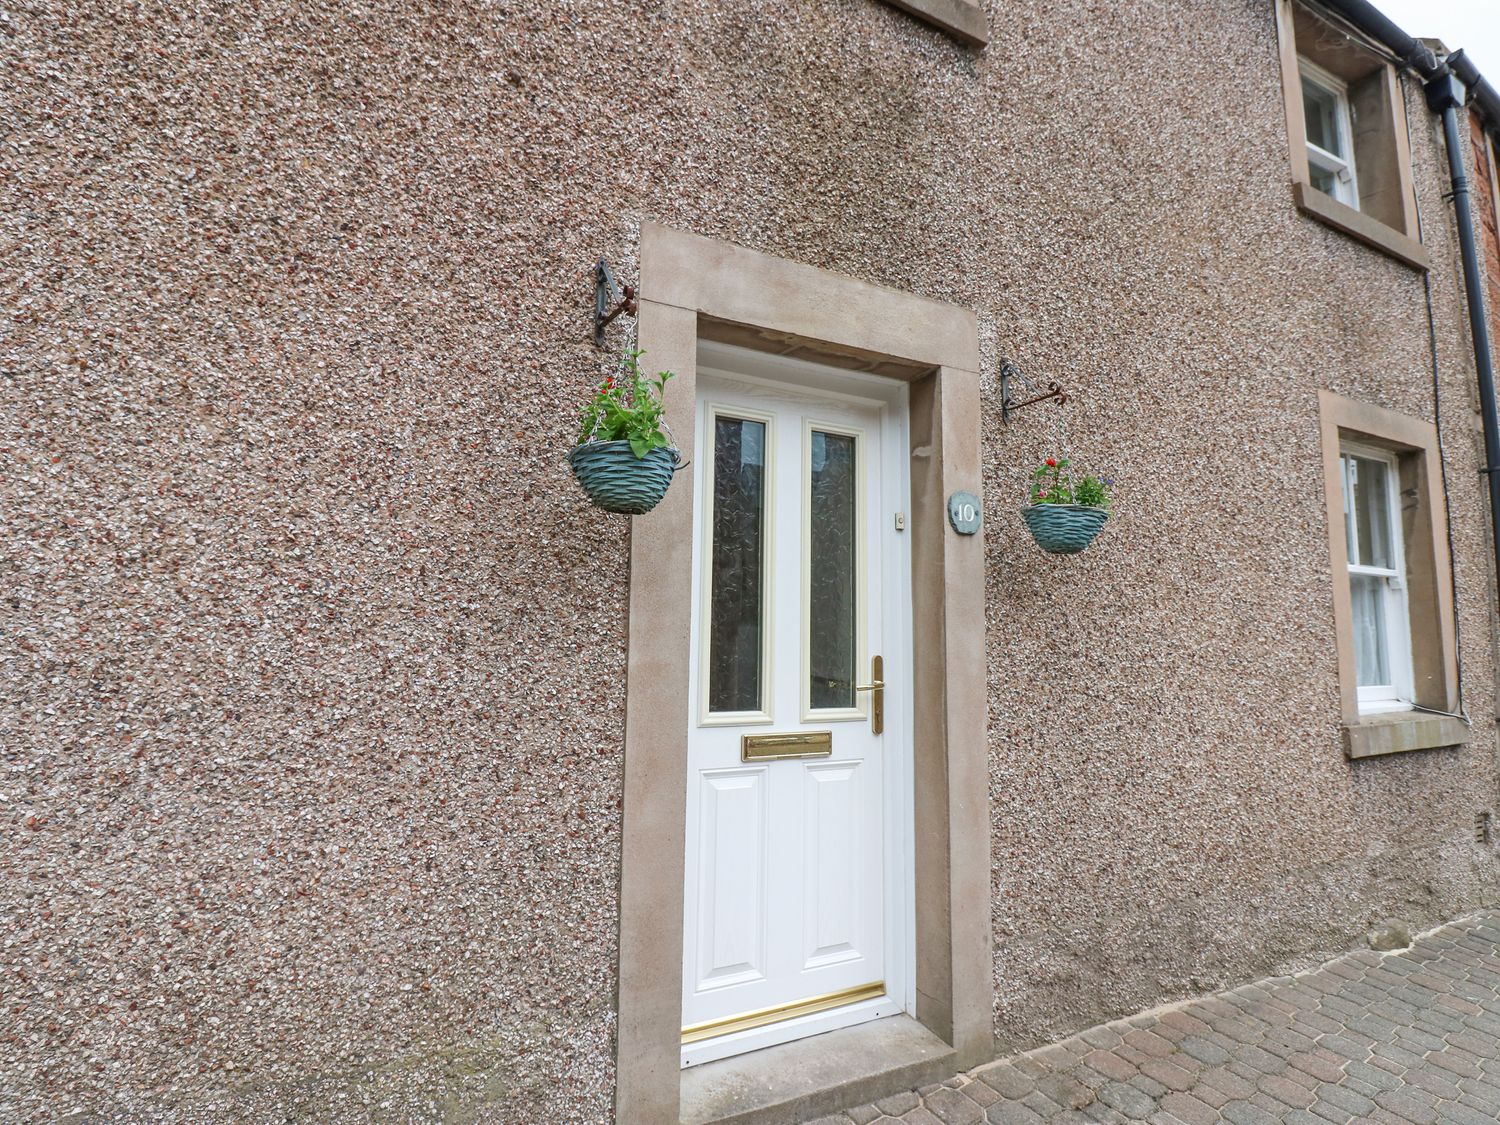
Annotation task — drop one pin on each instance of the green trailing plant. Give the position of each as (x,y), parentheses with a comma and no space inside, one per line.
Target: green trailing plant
(1053,483)
(628,407)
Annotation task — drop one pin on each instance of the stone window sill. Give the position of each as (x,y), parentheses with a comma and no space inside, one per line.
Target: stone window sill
(962,19)
(1388,240)
(1400,732)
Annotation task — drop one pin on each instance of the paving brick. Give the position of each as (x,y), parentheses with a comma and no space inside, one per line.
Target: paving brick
(1243,1113)
(1457,1062)
(1005,1080)
(1283,1041)
(1240,1030)
(1102,1038)
(1371,1076)
(1416,1040)
(1102,1113)
(1031,1067)
(1402,1056)
(1204,1050)
(1346,1099)
(1058,1056)
(897,1104)
(1406,1105)
(1232,1084)
(1184,1022)
(1346,1047)
(951,1107)
(1148,1086)
(1170,1074)
(1328,1112)
(1189,1110)
(981,1094)
(1012,1113)
(1313,1024)
(1110,1065)
(864,1115)
(1460,1114)
(1065,1091)
(1286,1092)
(1126,1098)
(1259,1060)
(1300,1077)
(1149,1043)
(1043,1105)
(1481,1088)
(1089,1076)
(1324,1065)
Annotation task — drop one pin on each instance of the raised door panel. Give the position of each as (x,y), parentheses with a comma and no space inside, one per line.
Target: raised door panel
(834,893)
(732,878)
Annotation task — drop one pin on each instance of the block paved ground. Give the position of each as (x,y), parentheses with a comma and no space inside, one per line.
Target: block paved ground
(1405,1038)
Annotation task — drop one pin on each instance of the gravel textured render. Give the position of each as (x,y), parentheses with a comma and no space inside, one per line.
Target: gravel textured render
(312,685)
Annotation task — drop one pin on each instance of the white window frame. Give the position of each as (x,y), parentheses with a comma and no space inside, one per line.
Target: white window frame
(1400,693)
(1345,181)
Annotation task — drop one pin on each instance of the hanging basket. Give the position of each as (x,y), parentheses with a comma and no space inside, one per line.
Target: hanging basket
(616,480)
(1063,529)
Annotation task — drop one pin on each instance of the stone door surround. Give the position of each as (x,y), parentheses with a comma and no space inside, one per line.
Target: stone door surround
(691,288)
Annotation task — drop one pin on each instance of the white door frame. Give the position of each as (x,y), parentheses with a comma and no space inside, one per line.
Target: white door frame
(727,365)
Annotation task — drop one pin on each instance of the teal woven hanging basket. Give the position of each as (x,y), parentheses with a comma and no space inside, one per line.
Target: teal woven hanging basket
(1063,529)
(616,480)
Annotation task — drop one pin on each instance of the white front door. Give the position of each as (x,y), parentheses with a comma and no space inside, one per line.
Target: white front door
(799,806)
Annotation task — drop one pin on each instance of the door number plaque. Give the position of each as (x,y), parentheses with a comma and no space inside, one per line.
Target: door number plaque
(964,512)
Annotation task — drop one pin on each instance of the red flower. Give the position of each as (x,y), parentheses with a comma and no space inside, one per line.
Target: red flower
(1051,463)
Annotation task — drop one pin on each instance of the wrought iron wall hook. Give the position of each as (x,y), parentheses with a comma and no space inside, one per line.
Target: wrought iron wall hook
(1009,371)
(607,290)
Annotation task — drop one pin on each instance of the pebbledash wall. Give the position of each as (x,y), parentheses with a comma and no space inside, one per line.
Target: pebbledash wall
(313,686)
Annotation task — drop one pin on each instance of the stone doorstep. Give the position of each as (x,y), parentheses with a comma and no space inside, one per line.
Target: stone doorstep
(816,1076)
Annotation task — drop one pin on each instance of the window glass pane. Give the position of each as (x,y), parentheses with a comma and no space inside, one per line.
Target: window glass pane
(1372,512)
(1322,179)
(1367,598)
(832,622)
(736,590)
(1320,111)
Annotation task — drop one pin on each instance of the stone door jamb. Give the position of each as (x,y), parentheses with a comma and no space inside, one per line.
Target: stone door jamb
(693,287)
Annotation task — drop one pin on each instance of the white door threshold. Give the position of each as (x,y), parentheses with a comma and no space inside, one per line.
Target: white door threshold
(815,1076)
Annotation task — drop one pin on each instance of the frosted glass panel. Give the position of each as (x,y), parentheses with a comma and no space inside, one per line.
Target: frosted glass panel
(736,611)
(832,621)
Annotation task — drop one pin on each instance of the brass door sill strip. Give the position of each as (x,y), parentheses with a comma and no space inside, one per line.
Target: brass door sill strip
(693,1033)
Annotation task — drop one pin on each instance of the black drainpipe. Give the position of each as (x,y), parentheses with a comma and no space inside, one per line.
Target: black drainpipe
(1445,94)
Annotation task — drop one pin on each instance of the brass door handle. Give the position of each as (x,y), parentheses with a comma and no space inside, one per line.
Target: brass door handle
(877,699)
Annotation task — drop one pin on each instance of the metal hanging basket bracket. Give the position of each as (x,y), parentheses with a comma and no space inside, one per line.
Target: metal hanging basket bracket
(1008,372)
(610,299)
